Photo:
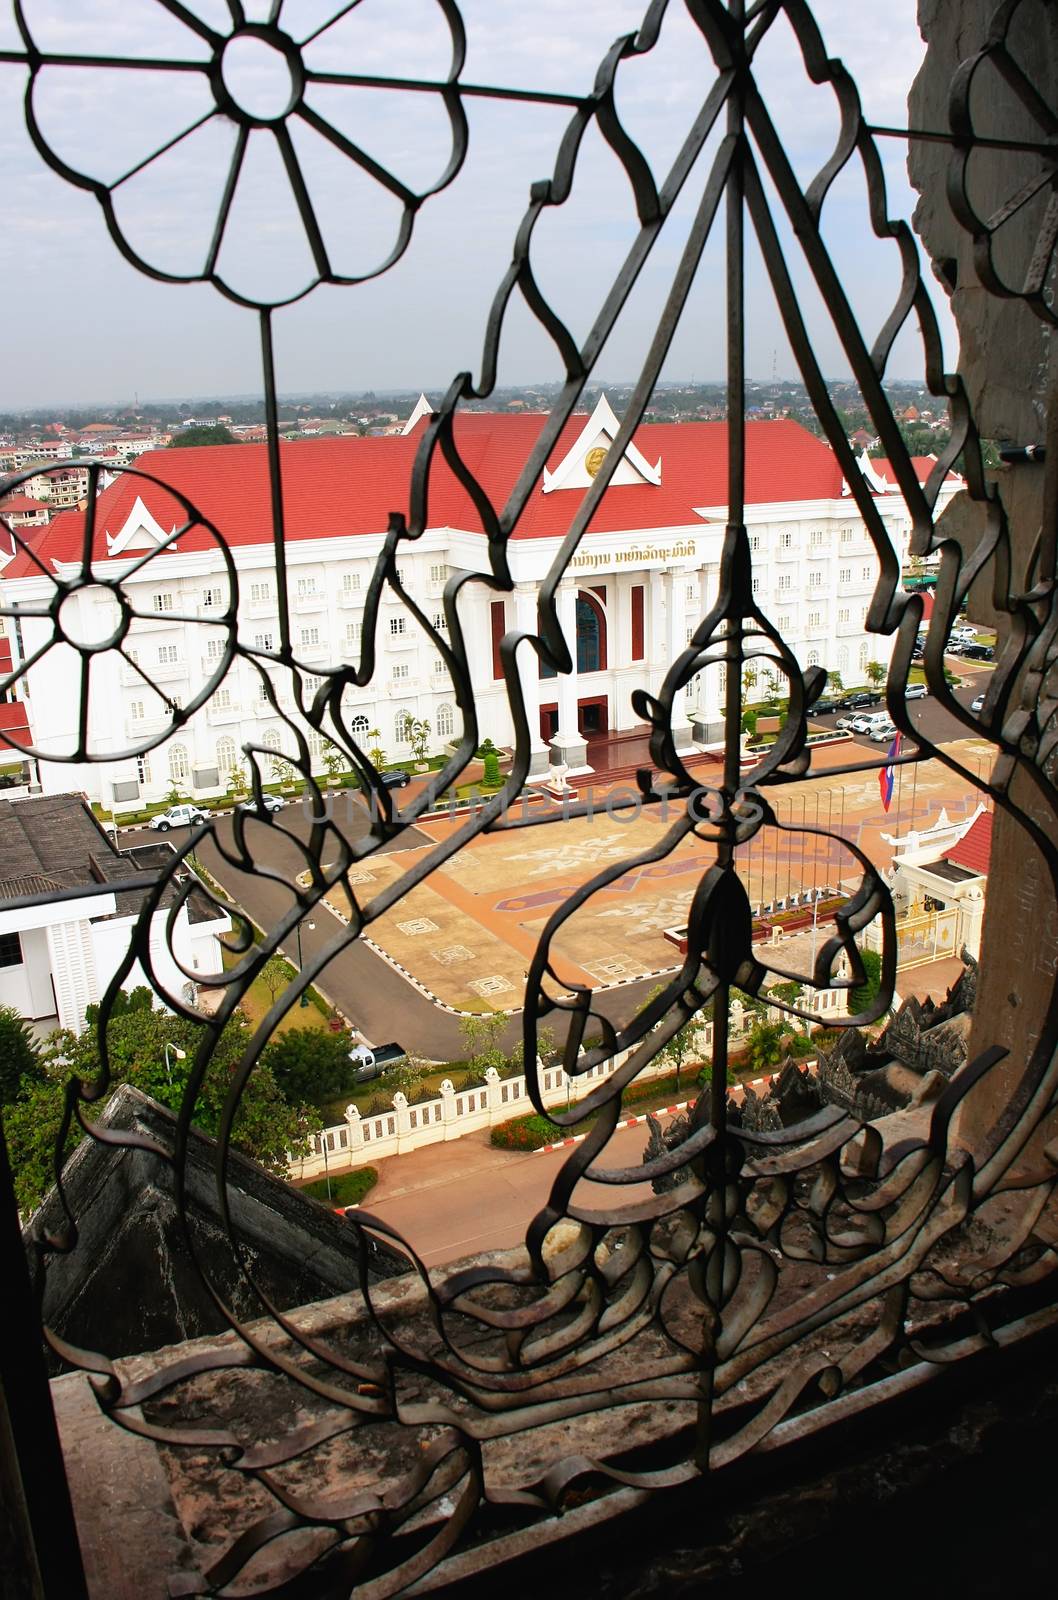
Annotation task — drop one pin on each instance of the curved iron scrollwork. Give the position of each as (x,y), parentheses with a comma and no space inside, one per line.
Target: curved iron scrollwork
(695,1280)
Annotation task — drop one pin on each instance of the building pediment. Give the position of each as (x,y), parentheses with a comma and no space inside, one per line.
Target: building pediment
(585,456)
(140,531)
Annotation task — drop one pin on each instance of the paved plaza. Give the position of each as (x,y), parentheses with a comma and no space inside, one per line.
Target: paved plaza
(468,935)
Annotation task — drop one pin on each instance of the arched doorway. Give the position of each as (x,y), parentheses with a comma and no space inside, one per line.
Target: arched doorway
(591,633)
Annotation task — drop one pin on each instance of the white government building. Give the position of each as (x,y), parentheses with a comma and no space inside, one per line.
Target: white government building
(637,588)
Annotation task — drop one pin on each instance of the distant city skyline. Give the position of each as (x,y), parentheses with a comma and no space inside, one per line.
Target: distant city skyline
(90,330)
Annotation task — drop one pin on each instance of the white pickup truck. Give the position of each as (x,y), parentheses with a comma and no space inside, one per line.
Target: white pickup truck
(177,817)
(371,1061)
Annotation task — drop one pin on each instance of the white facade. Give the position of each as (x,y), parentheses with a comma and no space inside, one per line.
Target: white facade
(72,948)
(815,571)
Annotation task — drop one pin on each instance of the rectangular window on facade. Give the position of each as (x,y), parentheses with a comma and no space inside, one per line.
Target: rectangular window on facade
(353,632)
(311,683)
(638,607)
(222,699)
(815,580)
(162,602)
(440,622)
(306,588)
(136,710)
(845,575)
(843,613)
(310,637)
(815,619)
(846,535)
(786,541)
(400,670)
(213,599)
(10,950)
(260,594)
(168,655)
(692,594)
(785,581)
(438,664)
(214,649)
(756,586)
(398,625)
(754,543)
(498,616)
(263,641)
(351,582)
(817,538)
(438,574)
(865,574)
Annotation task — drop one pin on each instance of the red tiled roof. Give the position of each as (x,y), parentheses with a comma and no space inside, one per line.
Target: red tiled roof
(13,720)
(974,850)
(348,485)
(21,502)
(5,655)
(923,466)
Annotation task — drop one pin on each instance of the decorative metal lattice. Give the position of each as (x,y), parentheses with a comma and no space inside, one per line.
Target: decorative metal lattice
(691,1280)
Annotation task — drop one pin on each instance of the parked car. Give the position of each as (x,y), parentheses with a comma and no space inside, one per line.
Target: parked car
(882,733)
(397,779)
(964,634)
(978,652)
(861,723)
(371,1061)
(916,691)
(860,700)
(977,703)
(845,722)
(271,802)
(954,647)
(823,708)
(177,817)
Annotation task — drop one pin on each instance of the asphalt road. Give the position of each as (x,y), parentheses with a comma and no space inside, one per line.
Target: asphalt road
(937,725)
(379,1002)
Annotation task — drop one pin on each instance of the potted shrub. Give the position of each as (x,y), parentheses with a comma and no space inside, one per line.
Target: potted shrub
(237,781)
(419,733)
(334,762)
(283,773)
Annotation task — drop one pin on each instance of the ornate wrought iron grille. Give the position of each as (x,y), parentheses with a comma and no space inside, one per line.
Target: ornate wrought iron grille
(677,1304)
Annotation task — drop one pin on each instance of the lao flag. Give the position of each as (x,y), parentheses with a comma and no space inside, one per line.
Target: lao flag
(887,776)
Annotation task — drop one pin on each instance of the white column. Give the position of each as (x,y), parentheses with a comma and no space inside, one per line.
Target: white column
(568,747)
(709,720)
(525,621)
(657,657)
(676,631)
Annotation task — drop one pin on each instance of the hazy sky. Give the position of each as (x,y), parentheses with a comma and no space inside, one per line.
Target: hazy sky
(83,325)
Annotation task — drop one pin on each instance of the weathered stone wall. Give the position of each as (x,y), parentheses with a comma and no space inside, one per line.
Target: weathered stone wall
(1008,359)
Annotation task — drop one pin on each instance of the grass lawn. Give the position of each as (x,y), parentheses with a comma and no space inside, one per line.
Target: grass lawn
(257,1003)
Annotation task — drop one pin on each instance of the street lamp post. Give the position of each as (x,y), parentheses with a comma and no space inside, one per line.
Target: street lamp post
(304,992)
(180,1055)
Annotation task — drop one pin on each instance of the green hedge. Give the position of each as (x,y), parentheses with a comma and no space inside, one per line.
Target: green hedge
(347,1188)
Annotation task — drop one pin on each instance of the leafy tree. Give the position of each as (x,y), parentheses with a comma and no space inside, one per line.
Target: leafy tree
(681,1047)
(404,1077)
(237,778)
(19,1057)
(834,682)
(864,995)
(481,1040)
(275,975)
(310,1065)
(283,771)
(206,434)
(764,1045)
(749,722)
(375,750)
(267,1127)
(875,673)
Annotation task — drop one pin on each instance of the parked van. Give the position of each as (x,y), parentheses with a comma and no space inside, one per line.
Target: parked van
(872,721)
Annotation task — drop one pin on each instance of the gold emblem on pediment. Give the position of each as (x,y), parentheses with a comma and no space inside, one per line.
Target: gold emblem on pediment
(594,460)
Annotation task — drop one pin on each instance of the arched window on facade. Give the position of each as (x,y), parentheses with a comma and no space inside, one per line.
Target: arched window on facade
(314,741)
(813,658)
(402,726)
(445,722)
(359,727)
(143,769)
(271,739)
(227,756)
(591,634)
(179,768)
(843,659)
(865,654)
